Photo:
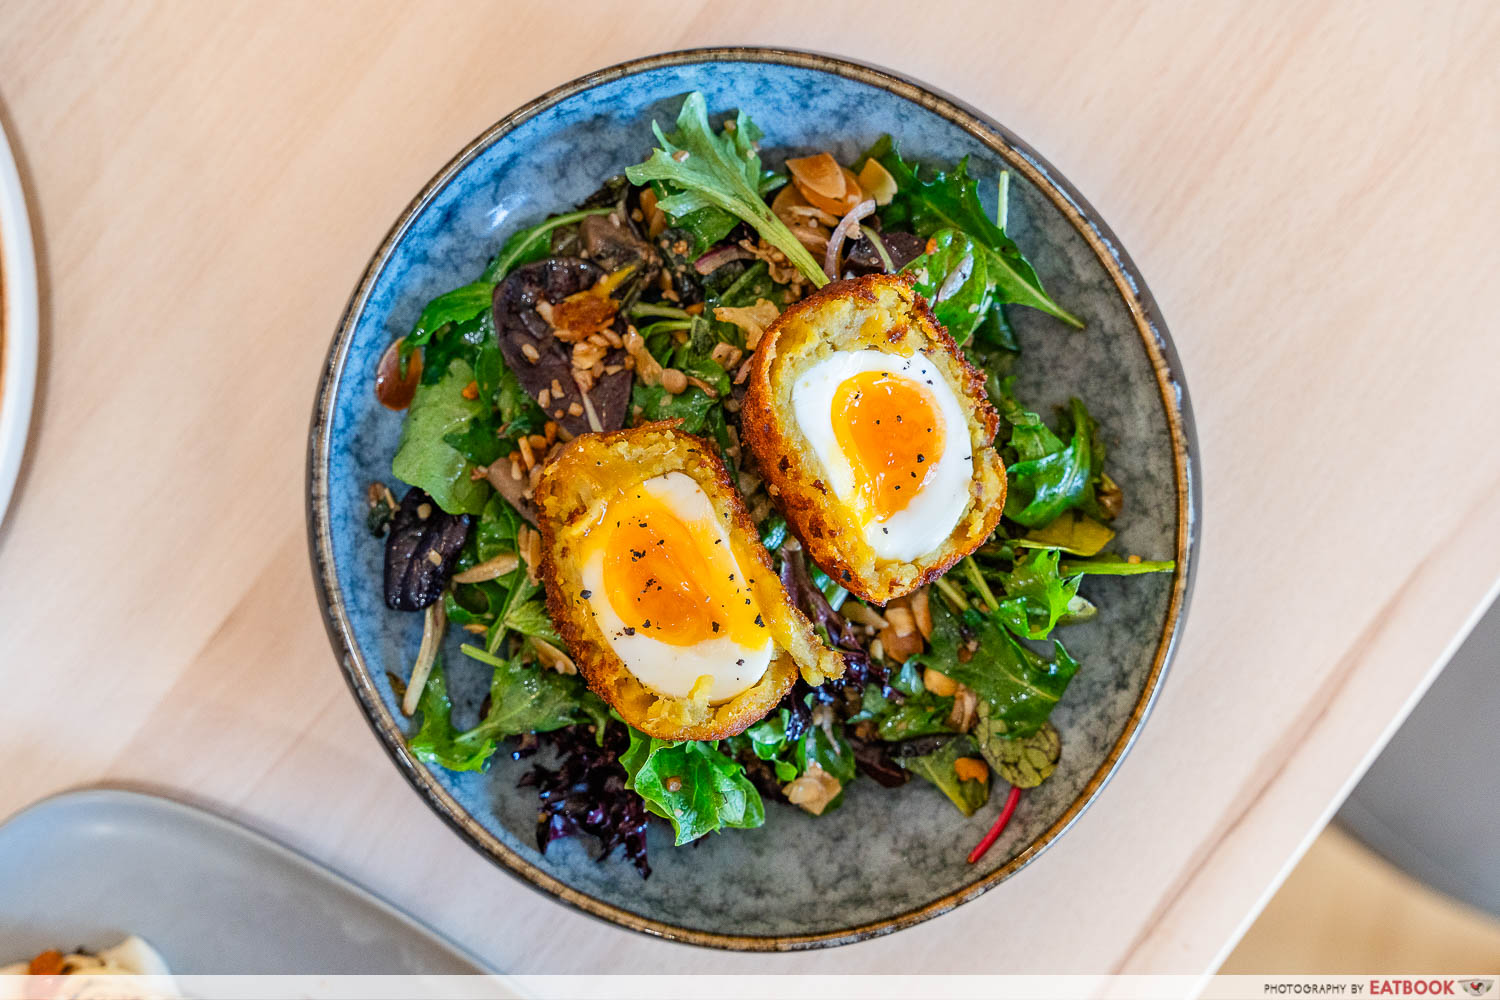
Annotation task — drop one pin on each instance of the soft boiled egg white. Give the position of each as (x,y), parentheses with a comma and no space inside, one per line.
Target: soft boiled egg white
(664,586)
(890,435)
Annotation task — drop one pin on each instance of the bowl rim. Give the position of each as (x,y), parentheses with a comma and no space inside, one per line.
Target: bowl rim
(1129,284)
(19,322)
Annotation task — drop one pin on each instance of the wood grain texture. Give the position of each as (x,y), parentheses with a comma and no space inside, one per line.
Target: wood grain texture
(1309,189)
(1346,908)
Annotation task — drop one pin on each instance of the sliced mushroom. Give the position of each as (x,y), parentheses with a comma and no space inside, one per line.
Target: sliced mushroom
(420,551)
(544,364)
(512,489)
(612,244)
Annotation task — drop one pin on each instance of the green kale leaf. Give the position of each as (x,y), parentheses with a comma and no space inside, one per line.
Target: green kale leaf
(693,785)
(1021,686)
(938,767)
(426,459)
(720,170)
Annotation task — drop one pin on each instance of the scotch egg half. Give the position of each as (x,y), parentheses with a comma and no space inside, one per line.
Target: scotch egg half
(874,436)
(658,584)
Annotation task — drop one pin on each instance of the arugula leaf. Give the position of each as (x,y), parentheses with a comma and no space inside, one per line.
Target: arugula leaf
(463,341)
(693,785)
(1037,595)
(527,245)
(692,405)
(521,590)
(478,441)
(705,226)
(531,618)
(937,767)
(951,201)
(827,747)
(457,306)
(529,699)
(437,742)
(696,363)
(918,712)
(752,284)
(1049,477)
(720,170)
(1021,686)
(954,278)
(425,458)
(474,603)
(496,530)
(923,714)
(1024,762)
(767,740)
(995,331)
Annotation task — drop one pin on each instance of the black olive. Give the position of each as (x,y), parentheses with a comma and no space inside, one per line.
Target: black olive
(862,258)
(420,551)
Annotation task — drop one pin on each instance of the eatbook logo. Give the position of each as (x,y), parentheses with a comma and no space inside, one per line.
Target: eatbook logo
(1477,987)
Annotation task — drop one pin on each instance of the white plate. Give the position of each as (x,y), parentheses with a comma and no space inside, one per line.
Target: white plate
(87,868)
(18,322)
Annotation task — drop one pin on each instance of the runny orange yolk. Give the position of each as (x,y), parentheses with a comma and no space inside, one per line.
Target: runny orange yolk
(672,580)
(891,431)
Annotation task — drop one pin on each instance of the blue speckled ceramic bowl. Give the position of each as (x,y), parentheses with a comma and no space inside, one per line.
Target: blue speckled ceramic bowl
(886,859)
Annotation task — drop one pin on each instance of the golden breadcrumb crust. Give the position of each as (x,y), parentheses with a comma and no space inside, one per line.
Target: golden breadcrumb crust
(882,312)
(591,471)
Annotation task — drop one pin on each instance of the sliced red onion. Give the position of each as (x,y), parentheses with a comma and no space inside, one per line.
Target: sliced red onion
(847,225)
(719,256)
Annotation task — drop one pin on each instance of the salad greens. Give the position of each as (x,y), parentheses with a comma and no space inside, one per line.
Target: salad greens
(949,201)
(1020,685)
(523,699)
(970,694)
(720,171)
(940,767)
(692,785)
(425,458)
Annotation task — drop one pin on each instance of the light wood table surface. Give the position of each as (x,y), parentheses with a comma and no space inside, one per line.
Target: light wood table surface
(1310,191)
